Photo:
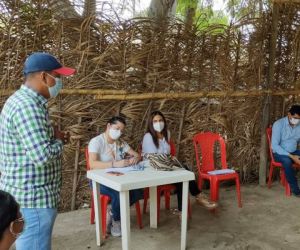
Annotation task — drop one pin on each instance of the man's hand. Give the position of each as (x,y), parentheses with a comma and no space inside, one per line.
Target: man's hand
(295,159)
(64,136)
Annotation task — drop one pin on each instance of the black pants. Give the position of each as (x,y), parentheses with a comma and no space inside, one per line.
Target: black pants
(194,190)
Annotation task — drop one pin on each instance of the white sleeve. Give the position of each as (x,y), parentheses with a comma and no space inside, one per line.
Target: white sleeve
(148,146)
(126,147)
(94,146)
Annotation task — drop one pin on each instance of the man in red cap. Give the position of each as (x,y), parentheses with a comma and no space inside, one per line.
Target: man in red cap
(30,149)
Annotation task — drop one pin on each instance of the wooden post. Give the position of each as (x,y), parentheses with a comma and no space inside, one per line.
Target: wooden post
(75,174)
(266,109)
(182,118)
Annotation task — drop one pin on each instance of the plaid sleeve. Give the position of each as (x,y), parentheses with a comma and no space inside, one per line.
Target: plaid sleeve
(35,131)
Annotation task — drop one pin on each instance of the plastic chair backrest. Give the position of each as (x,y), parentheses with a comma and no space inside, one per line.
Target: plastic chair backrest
(87,158)
(269,139)
(172,148)
(205,142)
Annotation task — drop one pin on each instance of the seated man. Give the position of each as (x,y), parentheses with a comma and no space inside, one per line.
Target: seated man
(285,138)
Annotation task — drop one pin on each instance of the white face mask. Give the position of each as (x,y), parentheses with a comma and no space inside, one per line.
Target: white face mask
(158,126)
(294,121)
(54,90)
(114,133)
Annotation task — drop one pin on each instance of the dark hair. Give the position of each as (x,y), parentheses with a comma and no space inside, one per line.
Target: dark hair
(153,132)
(8,211)
(295,109)
(116,119)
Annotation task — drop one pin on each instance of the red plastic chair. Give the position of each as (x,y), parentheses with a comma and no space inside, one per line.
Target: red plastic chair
(165,190)
(105,199)
(204,143)
(275,164)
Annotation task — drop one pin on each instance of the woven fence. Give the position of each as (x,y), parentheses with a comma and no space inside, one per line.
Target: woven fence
(214,79)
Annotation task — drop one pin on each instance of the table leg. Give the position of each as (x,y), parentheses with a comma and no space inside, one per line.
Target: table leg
(125,219)
(185,185)
(153,206)
(97,206)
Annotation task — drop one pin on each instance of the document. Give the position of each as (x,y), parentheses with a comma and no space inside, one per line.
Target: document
(137,167)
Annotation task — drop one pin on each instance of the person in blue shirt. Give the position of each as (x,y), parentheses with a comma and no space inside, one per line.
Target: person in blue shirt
(285,139)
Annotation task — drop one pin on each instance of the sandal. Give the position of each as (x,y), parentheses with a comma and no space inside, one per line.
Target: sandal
(203,201)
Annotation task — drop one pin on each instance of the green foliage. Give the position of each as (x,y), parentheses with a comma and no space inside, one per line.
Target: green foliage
(203,14)
(183,5)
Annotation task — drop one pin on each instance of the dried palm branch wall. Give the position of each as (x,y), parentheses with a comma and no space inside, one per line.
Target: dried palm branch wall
(143,56)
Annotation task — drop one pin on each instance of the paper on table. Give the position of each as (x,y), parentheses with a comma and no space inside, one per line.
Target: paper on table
(221,171)
(137,167)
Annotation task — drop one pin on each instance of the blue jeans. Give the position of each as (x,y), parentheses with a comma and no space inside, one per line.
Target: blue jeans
(134,196)
(289,171)
(38,229)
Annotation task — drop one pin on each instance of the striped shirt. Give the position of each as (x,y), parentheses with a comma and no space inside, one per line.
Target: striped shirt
(30,155)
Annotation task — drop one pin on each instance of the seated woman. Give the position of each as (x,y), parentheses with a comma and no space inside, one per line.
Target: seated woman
(156,140)
(106,151)
(11,220)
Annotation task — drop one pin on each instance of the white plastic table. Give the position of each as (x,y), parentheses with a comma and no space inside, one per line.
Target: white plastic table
(133,180)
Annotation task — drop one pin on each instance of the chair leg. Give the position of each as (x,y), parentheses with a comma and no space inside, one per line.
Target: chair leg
(167,199)
(200,183)
(287,189)
(238,191)
(270,176)
(138,214)
(158,204)
(216,187)
(92,213)
(214,190)
(104,203)
(146,197)
(286,185)
(189,209)
(282,177)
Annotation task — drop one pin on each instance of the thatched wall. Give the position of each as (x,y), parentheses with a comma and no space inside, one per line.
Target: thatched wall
(143,56)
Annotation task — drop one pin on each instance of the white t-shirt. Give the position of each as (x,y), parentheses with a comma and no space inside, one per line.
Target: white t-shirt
(106,151)
(149,147)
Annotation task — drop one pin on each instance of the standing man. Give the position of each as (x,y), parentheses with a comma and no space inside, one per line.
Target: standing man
(285,139)
(30,149)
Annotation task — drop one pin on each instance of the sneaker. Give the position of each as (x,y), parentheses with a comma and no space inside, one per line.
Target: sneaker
(202,200)
(116,228)
(108,219)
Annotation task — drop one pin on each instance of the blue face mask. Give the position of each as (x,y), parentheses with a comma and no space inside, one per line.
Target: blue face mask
(54,90)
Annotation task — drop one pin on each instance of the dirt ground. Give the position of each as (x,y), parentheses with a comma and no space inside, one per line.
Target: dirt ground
(268,220)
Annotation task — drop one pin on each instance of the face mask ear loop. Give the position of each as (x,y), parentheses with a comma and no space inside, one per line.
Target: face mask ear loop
(44,78)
